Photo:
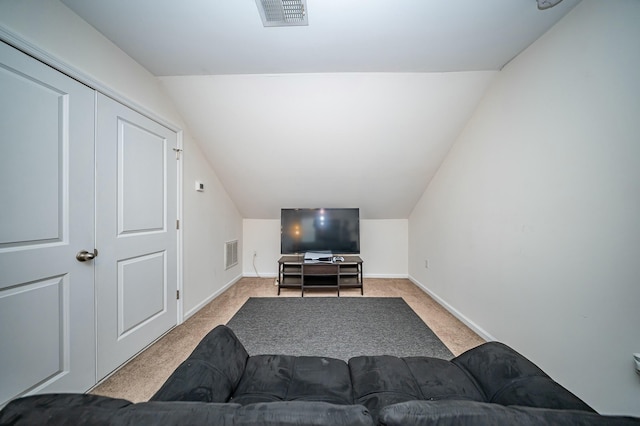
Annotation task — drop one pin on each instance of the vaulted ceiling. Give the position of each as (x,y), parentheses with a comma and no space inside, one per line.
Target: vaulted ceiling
(357,109)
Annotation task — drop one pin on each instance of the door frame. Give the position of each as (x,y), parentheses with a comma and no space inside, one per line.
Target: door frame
(54,62)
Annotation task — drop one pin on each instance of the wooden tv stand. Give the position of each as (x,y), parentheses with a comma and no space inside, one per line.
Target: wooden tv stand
(294,272)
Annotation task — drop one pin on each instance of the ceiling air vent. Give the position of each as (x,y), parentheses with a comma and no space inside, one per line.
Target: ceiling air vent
(283,13)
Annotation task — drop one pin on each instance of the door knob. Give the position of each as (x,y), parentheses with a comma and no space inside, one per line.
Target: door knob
(84,255)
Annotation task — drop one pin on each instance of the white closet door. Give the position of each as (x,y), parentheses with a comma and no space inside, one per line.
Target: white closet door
(47,329)
(136,212)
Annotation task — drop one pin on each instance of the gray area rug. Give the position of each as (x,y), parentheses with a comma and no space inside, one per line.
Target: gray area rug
(334,327)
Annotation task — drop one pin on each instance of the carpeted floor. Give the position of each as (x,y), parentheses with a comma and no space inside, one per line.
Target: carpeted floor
(143,375)
(334,327)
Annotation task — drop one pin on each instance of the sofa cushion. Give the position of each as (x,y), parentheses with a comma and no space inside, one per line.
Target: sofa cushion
(383,380)
(210,373)
(472,413)
(292,378)
(506,377)
(440,379)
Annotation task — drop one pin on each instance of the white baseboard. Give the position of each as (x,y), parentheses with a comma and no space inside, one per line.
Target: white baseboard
(466,321)
(262,275)
(390,276)
(202,304)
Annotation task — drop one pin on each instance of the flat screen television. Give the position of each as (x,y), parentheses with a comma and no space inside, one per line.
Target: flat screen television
(336,230)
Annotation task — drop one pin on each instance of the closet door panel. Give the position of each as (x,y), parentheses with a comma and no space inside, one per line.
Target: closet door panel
(136,232)
(47,328)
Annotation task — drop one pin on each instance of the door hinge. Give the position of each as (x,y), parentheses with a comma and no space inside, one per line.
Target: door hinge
(178,151)
(178,224)
(177,294)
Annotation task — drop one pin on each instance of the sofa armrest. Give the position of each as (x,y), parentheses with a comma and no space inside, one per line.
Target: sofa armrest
(92,410)
(212,371)
(61,409)
(508,378)
(285,413)
(296,413)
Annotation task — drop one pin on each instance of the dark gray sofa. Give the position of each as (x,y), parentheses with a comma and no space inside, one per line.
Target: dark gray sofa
(220,384)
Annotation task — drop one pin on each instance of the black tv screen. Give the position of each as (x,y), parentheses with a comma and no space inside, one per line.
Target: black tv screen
(334,230)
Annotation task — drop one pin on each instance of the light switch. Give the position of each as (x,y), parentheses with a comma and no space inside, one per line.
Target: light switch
(199,186)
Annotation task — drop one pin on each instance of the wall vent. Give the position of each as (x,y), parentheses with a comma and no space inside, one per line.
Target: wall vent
(283,13)
(230,254)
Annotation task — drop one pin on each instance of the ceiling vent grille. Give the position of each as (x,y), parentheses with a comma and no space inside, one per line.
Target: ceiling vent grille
(283,13)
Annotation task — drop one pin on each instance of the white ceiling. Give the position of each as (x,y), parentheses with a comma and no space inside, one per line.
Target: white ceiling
(395,136)
(199,37)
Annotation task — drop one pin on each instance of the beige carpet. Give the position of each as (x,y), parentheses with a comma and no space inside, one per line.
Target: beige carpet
(141,377)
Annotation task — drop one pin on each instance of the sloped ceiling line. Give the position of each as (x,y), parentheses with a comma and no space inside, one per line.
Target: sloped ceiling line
(357,109)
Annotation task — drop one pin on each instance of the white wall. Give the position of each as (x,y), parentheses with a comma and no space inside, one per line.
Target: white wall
(531,224)
(303,139)
(209,218)
(262,237)
(383,247)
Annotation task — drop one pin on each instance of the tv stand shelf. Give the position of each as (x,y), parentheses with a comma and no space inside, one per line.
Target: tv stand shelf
(294,272)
